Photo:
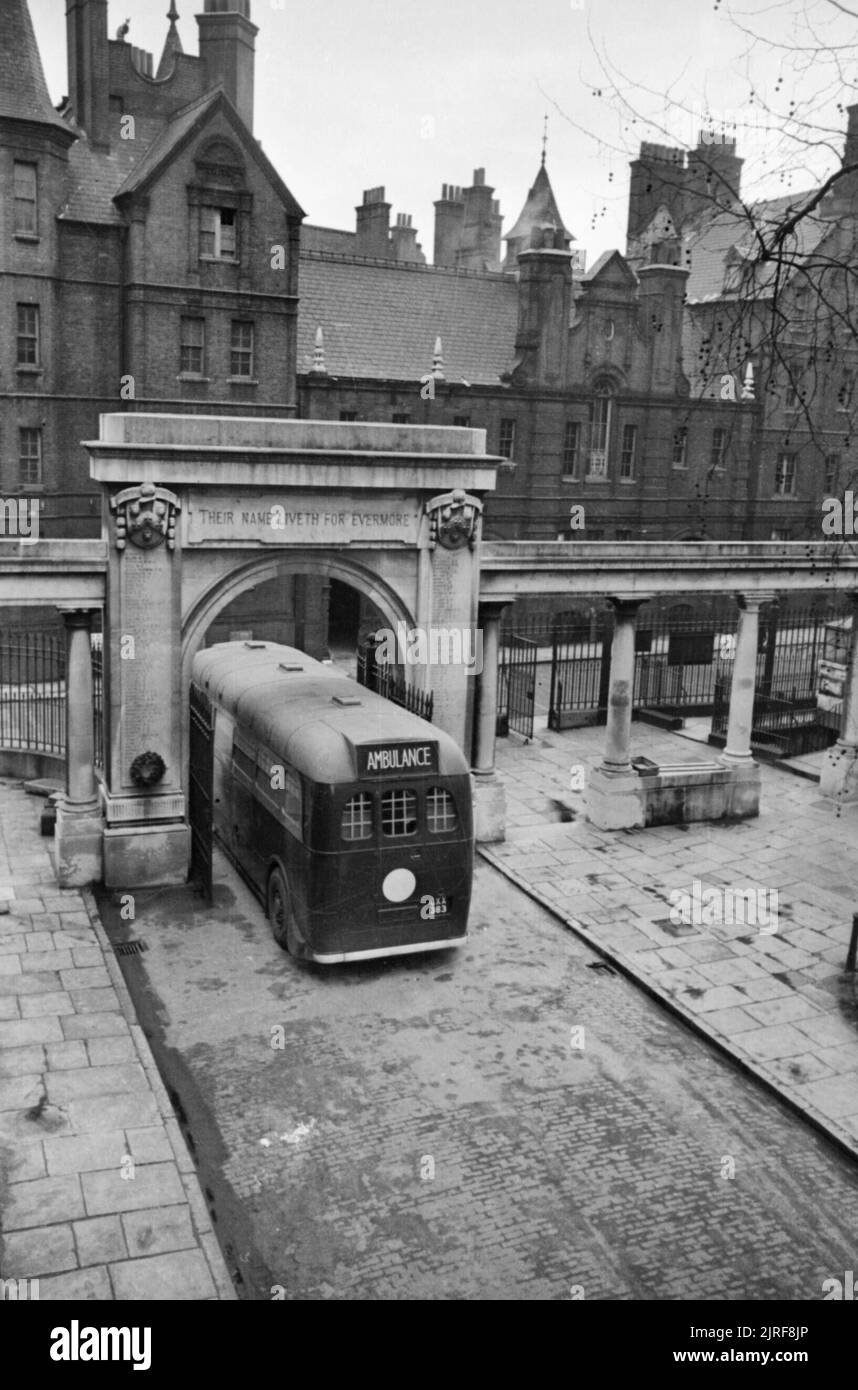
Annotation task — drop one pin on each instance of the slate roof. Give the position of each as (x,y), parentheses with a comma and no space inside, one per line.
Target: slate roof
(315,238)
(23,89)
(381,320)
(711,244)
(95,175)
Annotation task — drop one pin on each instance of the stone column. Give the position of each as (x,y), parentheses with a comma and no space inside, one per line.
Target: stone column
(489,798)
(618,731)
(744,682)
(839,775)
(79,828)
(615,797)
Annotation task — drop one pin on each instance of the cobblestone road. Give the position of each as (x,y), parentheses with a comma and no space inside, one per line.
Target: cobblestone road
(432,1127)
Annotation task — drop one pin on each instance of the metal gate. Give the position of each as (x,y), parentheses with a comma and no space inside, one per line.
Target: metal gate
(580,667)
(200,790)
(518,681)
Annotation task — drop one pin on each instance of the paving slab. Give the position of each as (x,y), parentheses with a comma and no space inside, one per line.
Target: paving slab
(99,1195)
(778,1000)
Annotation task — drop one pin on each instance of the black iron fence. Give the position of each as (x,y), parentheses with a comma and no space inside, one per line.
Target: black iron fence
(387,681)
(559,666)
(33,693)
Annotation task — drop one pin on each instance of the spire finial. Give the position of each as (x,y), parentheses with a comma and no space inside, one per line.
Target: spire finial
(172,13)
(544,140)
(319,354)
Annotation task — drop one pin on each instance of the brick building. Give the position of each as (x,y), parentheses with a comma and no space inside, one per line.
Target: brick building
(151,257)
(148,246)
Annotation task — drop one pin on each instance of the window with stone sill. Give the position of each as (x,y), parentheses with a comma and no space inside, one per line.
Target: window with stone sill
(27,343)
(785,475)
(29,457)
(218,233)
(26,199)
(628,453)
(571,448)
(241,351)
(680,448)
(192,346)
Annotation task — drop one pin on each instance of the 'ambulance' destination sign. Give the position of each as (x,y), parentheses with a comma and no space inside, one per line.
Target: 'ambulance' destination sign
(391,759)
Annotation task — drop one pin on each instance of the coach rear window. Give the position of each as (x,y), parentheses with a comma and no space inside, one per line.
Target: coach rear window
(399,814)
(440,811)
(357,818)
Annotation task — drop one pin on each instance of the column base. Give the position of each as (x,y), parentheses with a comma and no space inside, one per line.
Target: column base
(146,856)
(615,800)
(839,776)
(489,807)
(78,844)
(674,795)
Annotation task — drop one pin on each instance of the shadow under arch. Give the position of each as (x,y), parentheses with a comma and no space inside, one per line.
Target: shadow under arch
(263,568)
(259,570)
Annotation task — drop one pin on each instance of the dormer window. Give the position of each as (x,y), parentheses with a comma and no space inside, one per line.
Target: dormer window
(218,233)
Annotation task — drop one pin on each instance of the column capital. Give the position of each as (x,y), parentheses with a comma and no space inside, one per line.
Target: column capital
(77,617)
(752,603)
(628,603)
(492,608)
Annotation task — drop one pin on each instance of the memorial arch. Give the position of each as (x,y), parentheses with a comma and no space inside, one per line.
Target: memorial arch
(198,511)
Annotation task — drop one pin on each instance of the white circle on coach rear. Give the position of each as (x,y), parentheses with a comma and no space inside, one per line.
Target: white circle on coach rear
(398,885)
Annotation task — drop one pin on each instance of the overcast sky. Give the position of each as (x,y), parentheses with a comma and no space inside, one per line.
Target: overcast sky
(413,93)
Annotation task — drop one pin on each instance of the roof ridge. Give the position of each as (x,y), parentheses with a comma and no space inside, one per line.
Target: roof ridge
(346,258)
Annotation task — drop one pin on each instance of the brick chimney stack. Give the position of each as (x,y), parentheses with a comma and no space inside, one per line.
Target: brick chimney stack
(403,240)
(449,220)
(373,225)
(88,67)
(227,50)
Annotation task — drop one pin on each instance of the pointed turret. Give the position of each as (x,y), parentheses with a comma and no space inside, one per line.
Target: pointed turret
(541,215)
(23,89)
(172,45)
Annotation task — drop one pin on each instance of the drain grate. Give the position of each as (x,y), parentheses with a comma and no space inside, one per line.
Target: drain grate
(130,948)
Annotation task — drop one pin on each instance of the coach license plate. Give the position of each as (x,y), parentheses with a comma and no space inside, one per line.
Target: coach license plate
(436,907)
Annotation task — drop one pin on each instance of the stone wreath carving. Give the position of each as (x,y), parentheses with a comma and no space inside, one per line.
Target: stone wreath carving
(145,516)
(147,769)
(453,520)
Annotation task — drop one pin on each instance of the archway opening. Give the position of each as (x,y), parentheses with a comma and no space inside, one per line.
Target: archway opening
(328,618)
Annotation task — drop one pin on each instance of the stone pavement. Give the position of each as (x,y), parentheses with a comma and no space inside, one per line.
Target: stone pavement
(777,1001)
(99,1198)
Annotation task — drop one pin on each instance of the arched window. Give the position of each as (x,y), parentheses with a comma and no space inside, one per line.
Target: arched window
(600,428)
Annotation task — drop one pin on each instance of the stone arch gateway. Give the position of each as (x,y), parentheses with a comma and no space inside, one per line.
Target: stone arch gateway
(197,510)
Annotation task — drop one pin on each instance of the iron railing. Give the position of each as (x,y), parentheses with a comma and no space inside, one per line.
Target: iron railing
(386,681)
(33,693)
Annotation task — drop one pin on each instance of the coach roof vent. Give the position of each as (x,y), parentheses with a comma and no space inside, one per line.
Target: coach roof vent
(289,666)
(346,700)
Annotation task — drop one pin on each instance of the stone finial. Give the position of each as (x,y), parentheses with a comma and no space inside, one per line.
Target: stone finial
(748,392)
(438,361)
(319,354)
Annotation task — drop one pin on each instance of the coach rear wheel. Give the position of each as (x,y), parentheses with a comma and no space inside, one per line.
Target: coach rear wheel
(278,910)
